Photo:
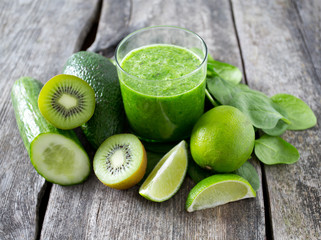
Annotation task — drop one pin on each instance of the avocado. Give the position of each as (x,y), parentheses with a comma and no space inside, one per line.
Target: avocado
(101,74)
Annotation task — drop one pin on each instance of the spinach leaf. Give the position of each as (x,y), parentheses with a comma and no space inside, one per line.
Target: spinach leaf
(113,61)
(281,126)
(209,58)
(299,113)
(211,99)
(274,150)
(258,107)
(197,173)
(153,159)
(248,172)
(243,87)
(278,130)
(226,71)
(222,90)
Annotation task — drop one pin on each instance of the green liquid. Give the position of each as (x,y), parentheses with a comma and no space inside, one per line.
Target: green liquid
(163,95)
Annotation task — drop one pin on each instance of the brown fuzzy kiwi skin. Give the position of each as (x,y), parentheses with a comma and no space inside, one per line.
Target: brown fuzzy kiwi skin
(135,177)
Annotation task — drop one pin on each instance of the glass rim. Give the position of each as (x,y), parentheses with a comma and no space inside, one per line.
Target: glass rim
(159,27)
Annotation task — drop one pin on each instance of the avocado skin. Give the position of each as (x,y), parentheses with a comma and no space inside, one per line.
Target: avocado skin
(98,71)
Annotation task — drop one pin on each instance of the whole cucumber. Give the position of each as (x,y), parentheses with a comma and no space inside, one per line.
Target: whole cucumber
(56,154)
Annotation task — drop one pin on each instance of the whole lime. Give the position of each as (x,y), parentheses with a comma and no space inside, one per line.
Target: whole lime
(222,139)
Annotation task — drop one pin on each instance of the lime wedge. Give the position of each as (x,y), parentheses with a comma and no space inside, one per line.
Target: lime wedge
(167,176)
(217,190)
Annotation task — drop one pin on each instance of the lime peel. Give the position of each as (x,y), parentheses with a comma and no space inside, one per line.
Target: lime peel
(167,176)
(217,190)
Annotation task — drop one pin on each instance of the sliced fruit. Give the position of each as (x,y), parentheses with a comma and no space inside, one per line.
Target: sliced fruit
(120,162)
(67,101)
(101,74)
(167,176)
(217,190)
(59,159)
(56,154)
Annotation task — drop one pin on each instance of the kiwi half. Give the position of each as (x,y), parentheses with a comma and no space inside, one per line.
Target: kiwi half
(66,101)
(120,162)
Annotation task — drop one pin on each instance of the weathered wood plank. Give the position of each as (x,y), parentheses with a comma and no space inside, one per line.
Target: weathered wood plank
(93,211)
(309,23)
(36,38)
(276,60)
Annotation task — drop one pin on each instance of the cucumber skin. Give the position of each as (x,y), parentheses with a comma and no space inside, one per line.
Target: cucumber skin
(31,123)
(101,74)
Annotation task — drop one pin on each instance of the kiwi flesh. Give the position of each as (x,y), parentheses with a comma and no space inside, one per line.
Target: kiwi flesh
(120,161)
(66,101)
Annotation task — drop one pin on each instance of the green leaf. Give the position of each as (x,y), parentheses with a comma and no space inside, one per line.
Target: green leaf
(158,147)
(222,90)
(274,150)
(281,126)
(226,71)
(299,113)
(258,107)
(197,173)
(211,99)
(243,87)
(113,61)
(248,172)
(278,130)
(210,58)
(152,160)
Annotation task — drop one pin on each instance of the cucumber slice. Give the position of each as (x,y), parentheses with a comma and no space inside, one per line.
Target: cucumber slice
(56,154)
(59,159)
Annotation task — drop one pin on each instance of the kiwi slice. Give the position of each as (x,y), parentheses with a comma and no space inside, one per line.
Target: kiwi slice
(66,101)
(120,161)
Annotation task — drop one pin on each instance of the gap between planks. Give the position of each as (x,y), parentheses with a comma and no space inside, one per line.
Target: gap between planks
(238,41)
(267,209)
(305,40)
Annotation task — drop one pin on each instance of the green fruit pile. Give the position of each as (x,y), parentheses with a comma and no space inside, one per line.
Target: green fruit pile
(87,94)
(224,139)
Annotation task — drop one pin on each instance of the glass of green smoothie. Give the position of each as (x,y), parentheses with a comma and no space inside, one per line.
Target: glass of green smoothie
(162,72)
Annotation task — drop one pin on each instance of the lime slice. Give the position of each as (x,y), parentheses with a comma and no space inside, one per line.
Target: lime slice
(167,176)
(218,190)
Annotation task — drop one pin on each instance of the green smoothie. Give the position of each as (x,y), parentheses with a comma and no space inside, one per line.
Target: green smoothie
(163,91)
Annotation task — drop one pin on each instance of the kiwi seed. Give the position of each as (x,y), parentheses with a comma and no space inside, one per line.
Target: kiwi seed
(126,150)
(63,110)
(67,101)
(120,161)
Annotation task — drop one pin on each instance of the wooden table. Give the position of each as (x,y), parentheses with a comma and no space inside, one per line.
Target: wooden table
(276,43)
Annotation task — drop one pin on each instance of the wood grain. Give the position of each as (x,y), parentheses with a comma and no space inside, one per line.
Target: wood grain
(277,60)
(93,211)
(309,24)
(280,48)
(36,38)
